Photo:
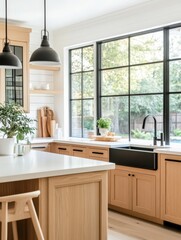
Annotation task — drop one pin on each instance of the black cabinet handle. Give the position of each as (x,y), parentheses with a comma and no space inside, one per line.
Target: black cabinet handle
(133,175)
(100,153)
(62,148)
(172,160)
(129,174)
(77,150)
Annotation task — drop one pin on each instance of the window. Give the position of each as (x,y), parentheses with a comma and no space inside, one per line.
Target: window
(137,75)
(82,91)
(175,84)
(131,83)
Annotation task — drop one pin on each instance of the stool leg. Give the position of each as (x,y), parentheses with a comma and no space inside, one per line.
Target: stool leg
(15,231)
(4,223)
(35,220)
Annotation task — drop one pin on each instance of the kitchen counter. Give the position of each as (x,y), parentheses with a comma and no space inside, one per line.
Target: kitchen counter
(170,150)
(73,193)
(36,164)
(120,143)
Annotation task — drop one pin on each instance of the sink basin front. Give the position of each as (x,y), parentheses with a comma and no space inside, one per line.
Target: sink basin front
(133,156)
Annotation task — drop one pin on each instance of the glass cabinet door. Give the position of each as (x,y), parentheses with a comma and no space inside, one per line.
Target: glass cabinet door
(14,80)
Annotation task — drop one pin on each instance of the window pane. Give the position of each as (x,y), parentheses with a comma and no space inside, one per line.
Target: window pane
(76,60)
(76,119)
(114,81)
(114,54)
(88,85)
(146,48)
(142,106)
(147,78)
(175,43)
(116,108)
(175,76)
(88,119)
(88,58)
(175,118)
(76,86)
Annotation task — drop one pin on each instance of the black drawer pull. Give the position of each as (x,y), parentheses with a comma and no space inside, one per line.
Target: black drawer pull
(62,148)
(100,153)
(172,160)
(77,150)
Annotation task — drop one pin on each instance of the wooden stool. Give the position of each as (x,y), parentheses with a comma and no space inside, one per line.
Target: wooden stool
(18,207)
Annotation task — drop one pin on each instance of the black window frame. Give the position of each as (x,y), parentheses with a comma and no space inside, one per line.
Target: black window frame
(166,92)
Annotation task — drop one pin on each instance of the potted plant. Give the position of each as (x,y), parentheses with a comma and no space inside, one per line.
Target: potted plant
(14,123)
(104,125)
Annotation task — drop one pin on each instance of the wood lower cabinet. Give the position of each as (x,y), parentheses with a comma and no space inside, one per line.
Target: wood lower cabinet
(78,207)
(171,188)
(135,190)
(121,189)
(97,153)
(60,148)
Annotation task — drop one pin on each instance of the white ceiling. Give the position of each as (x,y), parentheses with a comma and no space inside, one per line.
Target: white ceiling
(61,13)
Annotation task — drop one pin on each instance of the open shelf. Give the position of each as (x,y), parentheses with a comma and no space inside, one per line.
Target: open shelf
(42,91)
(48,68)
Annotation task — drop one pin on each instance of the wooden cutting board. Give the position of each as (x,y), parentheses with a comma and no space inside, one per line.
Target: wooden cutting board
(105,138)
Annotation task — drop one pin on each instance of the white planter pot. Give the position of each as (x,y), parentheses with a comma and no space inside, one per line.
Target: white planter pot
(7,146)
(103,131)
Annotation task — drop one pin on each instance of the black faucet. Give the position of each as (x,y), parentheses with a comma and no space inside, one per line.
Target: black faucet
(155,139)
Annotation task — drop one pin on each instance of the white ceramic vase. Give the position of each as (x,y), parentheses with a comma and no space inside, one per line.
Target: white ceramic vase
(7,146)
(103,131)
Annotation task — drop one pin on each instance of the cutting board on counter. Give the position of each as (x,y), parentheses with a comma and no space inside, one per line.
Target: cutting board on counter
(105,138)
(46,122)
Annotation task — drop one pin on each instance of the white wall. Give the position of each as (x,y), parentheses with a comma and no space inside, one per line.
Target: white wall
(144,16)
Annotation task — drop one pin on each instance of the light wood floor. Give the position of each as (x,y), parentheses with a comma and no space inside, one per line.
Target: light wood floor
(122,227)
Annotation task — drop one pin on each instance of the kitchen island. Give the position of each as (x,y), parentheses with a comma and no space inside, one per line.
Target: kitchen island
(73,200)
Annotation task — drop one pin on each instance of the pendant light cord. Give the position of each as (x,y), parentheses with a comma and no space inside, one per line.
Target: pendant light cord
(45,30)
(6,22)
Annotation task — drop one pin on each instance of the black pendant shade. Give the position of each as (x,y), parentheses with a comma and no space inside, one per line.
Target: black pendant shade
(45,55)
(7,59)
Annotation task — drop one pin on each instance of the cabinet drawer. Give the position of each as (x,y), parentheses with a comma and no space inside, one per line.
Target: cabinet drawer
(99,154)
(79,151)
(64,149)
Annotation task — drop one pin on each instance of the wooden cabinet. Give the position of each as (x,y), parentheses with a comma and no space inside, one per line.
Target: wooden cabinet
(77,207)
(98,153)
(79,151)
(14,84)
(171,188)
(60,148)
(135,190)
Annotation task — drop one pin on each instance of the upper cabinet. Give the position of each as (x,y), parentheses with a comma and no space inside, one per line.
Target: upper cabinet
(14,84)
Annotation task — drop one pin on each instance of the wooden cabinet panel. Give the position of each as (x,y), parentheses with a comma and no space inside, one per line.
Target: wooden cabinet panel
(171,188)
(79,209)
(79,151)
(60,148)
(144,194)
(134,190)
(98,153)
(121,189)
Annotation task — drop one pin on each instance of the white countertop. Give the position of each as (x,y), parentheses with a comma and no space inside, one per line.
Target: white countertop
(171,150)
(91,142)
(120,143)
(36,164)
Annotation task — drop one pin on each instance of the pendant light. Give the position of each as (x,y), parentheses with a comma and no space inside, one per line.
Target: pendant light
(45,55)
(8,60)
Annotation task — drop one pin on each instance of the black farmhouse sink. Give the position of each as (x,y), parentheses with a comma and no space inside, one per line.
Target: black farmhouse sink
(133,156)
